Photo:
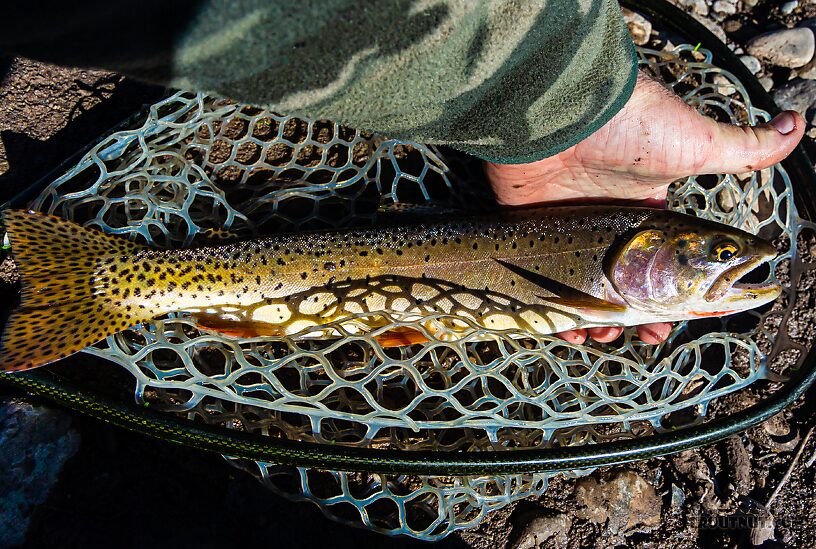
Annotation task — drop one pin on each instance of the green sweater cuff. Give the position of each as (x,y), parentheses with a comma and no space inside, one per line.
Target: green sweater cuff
(588,130)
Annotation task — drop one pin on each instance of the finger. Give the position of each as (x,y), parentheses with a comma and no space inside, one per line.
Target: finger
(605,334)
(654,333)
(573,336)
(658,201)
(737,149)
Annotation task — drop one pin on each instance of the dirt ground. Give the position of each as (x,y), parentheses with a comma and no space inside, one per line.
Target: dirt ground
(130,491)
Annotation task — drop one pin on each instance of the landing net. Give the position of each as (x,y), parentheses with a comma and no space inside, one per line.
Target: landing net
(198,169)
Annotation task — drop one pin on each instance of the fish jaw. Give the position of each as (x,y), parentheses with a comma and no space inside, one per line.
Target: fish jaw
(727,296)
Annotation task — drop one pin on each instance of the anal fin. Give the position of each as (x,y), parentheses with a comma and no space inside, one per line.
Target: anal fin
(400,337)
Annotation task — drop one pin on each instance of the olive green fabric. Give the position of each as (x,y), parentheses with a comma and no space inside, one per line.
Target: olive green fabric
(510,81)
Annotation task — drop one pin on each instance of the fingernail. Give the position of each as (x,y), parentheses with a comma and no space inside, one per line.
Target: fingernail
(784,123)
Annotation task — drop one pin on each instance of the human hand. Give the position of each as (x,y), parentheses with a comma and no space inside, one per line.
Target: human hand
(654,140)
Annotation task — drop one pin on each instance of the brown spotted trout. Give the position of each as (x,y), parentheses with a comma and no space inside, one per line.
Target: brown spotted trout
(539,270)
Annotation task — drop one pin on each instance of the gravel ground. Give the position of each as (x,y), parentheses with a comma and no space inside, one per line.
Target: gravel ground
(130,491)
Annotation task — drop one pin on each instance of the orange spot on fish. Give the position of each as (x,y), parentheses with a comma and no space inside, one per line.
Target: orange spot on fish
(237,329)
(715,313)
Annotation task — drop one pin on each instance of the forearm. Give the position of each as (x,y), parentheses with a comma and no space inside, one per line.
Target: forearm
(507,81)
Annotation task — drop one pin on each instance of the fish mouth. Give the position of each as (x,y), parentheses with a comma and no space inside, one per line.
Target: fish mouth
(728,287)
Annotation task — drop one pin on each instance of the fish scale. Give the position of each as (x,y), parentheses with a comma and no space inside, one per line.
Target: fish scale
(538,270)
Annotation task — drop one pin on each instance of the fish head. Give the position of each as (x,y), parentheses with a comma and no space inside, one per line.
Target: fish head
(691,271)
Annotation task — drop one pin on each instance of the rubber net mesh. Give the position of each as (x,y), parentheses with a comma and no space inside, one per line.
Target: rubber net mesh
(198,169)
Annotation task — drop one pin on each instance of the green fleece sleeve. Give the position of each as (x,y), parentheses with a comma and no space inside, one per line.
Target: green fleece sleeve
(507,80)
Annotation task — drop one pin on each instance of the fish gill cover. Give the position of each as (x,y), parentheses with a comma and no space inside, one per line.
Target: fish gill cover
(200,170)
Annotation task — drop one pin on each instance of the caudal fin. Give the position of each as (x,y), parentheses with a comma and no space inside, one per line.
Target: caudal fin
(63,308)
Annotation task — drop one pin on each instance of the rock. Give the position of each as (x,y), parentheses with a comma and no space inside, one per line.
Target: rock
(788,7)
(35,442)
(798,95)
(808,72)
(625,504)
(724,85)
(678,498)
(766,82)
(694,468)
(710,25)
(777,426)
(732,25)
(789,48)
(751,63)
(725,7)
(750,3)
(739,465)
(725,199)
(700,7)
(639,27)
(763,529)
(545,532)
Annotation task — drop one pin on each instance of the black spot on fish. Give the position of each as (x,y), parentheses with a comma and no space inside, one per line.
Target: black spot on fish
(682,259)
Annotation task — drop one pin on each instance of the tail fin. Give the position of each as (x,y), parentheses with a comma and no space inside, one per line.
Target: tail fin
(63,309)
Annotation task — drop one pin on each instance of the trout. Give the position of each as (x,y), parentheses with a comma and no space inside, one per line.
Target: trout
(540,271)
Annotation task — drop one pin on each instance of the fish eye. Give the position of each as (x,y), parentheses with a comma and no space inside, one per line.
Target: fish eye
(723,251)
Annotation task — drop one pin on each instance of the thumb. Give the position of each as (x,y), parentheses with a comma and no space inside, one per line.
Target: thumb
(737,149)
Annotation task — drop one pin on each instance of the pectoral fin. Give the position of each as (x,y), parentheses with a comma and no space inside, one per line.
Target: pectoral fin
(565,296)
(585,302)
